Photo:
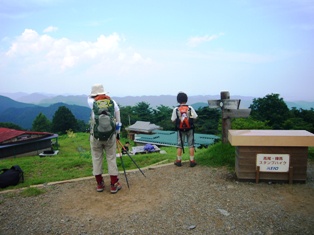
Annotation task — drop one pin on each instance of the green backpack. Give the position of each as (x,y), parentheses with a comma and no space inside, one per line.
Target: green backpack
(103,125)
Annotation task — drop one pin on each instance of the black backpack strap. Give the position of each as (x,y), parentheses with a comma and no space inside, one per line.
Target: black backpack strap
(177,122)
(191,120)
(177,111)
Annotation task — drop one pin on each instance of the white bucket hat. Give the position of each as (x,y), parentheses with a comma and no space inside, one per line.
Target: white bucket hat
(98,89)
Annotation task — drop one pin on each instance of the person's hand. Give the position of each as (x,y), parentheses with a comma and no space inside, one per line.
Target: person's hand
(118,127)
(118,136)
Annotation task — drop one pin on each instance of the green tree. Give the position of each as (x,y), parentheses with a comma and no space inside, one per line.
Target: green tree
(41,123)
(248,124)
(63,120)
(271,109)
(162,117)
(207,121)
(297,124)
(82,126)
(143,112)
(127,116)
(10,125)
(301,119)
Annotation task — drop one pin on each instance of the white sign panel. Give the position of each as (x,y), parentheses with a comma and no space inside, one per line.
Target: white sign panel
(273,162)
(231,104)
(213,104)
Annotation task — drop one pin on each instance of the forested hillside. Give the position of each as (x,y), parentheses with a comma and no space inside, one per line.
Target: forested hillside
(23,114)
(6,103)
(270,112)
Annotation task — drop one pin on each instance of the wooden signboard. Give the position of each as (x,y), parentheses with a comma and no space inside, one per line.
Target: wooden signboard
(236,113)
(273,162)
(230,109)
(214,104)
(275,155)
(231,104)
(224,104)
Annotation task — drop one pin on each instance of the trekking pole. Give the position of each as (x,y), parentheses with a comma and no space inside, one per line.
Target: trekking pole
(182,144)
(194,141)
(126,178)
(131,157)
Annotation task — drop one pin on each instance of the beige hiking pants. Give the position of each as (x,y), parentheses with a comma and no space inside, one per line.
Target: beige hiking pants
(97,151)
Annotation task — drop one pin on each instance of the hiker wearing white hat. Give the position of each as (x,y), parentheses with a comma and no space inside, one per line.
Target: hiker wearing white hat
(104,130)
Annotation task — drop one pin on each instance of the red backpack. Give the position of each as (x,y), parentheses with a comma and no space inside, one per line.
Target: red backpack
(184,121)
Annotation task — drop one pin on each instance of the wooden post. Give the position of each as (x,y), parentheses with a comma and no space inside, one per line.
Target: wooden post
(290,174)
(257,174)
(226,122)
(230,109)
(225,95)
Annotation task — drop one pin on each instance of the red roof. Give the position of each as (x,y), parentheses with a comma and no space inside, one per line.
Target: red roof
(7,134)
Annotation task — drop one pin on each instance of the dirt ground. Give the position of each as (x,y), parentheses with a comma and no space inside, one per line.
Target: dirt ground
(147,193)
(142,194)
(169,200)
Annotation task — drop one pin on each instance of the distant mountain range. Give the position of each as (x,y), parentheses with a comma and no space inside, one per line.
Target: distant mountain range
(24,114)
(153,101)
(21,108)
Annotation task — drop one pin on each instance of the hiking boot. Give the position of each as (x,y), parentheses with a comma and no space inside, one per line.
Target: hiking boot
(115,187)
(100,186)
(178,163)
(192,163)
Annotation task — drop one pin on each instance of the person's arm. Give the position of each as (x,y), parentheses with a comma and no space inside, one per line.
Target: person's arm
(116,111)
(90,101)
(193,113)
(117,116)
(174,115)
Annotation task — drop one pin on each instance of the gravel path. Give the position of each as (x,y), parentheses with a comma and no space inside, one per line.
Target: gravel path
(170,200)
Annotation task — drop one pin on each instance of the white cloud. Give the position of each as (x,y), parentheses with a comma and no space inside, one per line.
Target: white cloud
(50,29)
(62,54)
(195,41)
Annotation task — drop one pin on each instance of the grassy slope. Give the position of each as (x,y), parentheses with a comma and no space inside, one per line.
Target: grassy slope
(74,160)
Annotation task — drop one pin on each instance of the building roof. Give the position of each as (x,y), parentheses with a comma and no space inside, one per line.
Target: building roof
(169,138)
(144,127)
(10,135)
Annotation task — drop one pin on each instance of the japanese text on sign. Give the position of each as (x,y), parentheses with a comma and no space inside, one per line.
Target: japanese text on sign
(273,162)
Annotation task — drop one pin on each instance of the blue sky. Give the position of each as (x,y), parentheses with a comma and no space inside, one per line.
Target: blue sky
(246,47)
